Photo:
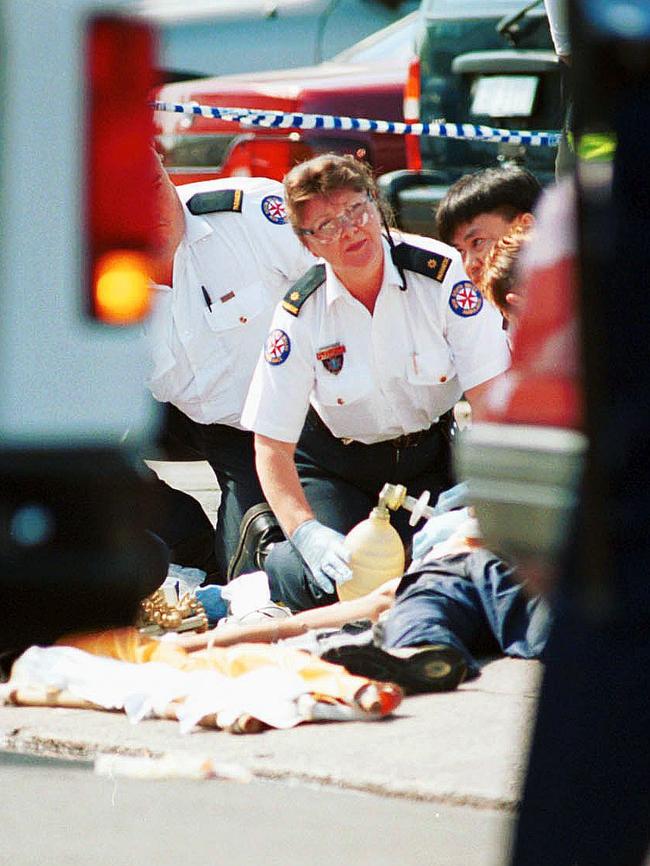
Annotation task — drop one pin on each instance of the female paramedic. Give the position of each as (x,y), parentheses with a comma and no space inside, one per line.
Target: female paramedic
(369,351)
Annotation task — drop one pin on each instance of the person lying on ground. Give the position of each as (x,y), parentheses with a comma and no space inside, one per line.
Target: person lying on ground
(421,631)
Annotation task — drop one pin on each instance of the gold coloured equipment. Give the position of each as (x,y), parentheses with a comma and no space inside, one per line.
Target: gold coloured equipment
(160,613)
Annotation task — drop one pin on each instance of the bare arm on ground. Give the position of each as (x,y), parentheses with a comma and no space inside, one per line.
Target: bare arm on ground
(331,616)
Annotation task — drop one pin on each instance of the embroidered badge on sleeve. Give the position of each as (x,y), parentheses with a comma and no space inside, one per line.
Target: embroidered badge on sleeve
(465,299)
(277,347)
(273,209)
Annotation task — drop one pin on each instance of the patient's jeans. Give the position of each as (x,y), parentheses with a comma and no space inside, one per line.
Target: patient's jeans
(471,601)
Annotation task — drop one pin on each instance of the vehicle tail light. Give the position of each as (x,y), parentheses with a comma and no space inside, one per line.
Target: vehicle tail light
(412,114)
(119,188)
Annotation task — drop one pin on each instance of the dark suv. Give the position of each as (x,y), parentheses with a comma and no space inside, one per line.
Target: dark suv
(488,62)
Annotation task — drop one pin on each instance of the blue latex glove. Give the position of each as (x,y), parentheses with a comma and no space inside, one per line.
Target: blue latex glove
(453,498)
(213,604)
(324,552)
(437,528)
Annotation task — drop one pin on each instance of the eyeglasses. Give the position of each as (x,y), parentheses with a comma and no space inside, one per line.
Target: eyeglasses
(356,215)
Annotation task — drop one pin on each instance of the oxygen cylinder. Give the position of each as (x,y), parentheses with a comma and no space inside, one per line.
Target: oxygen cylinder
(376,554)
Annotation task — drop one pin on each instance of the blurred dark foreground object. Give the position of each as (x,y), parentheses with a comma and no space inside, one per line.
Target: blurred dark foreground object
(65,564)
(586,800)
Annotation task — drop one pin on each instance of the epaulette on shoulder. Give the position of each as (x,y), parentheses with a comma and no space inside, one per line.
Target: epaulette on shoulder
(216,201)
(422,261)
(300,291)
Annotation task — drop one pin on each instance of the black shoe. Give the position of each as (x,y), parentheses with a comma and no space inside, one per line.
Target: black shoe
(258,530)
(431,668)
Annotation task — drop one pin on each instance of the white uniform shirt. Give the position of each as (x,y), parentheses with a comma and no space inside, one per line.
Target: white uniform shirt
(204,356)
(402,368)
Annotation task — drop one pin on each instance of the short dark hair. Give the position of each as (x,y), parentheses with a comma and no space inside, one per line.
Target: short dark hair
(509,191)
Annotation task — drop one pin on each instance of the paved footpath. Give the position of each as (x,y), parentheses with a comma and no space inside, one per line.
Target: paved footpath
(465,747)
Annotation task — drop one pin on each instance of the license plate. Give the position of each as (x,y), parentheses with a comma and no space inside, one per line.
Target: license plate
(504,95)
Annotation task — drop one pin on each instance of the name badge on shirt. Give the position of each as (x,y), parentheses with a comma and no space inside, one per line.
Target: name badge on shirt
(332,357)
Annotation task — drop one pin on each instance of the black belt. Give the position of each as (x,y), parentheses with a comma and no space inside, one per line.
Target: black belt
(406,440)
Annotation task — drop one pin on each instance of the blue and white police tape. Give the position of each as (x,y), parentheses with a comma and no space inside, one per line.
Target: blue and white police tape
(282,120)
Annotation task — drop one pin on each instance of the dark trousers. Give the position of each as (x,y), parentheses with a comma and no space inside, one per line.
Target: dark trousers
(180,521)
(231,456)
(342,484)
(471,601)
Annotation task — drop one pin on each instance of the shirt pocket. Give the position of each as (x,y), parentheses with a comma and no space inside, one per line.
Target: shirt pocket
(434,366)
(347,387)
(158,330)
(231,309)
(162,379)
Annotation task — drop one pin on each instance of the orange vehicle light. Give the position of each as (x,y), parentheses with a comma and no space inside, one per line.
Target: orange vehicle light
(121,287)
(120,205)
(412,114)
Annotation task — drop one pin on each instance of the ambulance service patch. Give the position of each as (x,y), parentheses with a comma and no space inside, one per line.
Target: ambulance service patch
(273,209)
(465,299)
(277,347)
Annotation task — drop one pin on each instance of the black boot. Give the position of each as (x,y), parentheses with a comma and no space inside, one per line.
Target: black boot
(428,668)
(258,530)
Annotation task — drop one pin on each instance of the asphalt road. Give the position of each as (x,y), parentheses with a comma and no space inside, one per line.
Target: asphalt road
(57,813)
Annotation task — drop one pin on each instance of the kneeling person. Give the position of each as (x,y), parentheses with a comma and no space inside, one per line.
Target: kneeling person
(228,258)
(369,352)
